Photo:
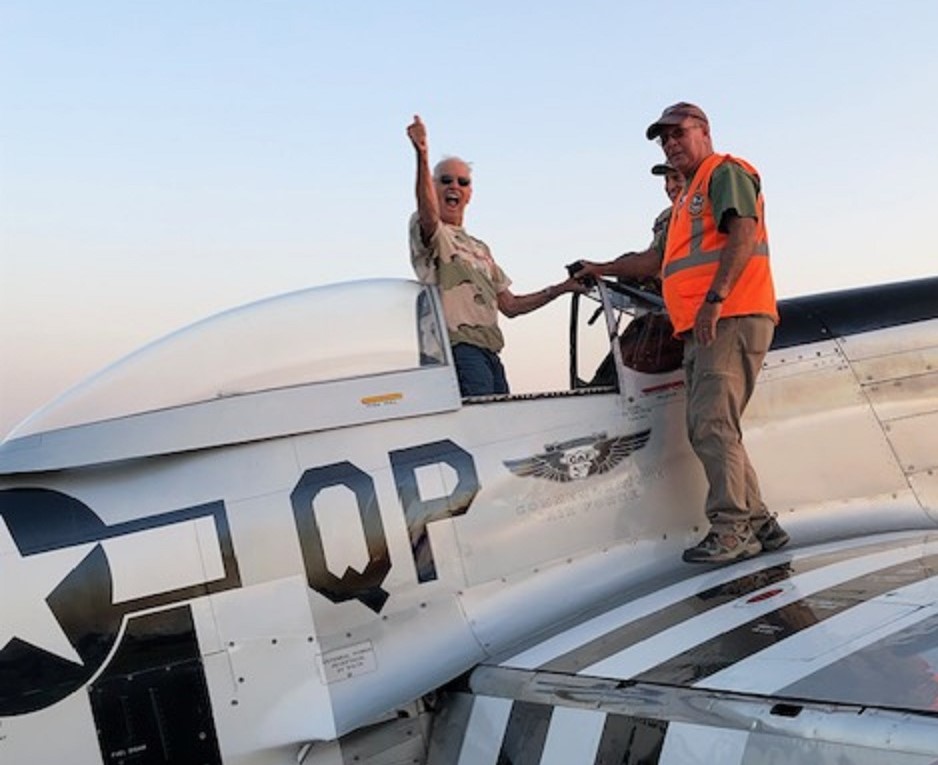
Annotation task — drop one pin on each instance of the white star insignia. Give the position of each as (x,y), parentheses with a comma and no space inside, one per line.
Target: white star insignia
(25,583)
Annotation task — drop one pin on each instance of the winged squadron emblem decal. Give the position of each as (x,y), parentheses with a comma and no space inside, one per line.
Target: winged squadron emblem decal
(579,458)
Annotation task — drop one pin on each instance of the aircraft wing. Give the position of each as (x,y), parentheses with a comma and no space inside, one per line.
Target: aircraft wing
(826,654)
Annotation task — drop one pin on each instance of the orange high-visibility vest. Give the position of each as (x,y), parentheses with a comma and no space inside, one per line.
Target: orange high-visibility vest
(693,250)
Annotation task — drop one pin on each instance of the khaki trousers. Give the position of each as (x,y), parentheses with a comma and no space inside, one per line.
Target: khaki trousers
(720,379)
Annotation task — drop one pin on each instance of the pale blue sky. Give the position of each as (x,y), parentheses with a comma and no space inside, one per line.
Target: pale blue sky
(162,161)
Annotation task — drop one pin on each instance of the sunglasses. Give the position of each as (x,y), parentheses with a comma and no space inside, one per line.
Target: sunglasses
(676,133)
(462,180)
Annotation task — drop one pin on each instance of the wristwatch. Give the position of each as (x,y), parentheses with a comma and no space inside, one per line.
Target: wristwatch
(714,297)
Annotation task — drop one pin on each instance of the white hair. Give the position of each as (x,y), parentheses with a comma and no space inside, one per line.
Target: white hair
(450,158)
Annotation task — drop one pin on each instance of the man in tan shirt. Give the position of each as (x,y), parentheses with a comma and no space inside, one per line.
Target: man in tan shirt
(473,287)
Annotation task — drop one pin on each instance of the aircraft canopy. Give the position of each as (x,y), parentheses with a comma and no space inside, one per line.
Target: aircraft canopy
(323,333)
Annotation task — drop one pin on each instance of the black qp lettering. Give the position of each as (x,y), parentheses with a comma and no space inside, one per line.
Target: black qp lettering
(419,512)
(364,586)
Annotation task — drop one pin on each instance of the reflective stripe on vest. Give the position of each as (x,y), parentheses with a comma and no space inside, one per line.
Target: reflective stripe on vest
(694,249)
(699,257)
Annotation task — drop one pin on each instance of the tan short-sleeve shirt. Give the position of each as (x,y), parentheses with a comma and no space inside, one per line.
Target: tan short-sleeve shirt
(469,281)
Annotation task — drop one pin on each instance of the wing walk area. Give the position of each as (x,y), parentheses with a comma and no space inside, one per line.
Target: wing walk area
(813,599)
(621,628)
(828,652)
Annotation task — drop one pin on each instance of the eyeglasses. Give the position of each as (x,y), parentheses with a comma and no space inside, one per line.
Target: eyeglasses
(676,133)
(462,180)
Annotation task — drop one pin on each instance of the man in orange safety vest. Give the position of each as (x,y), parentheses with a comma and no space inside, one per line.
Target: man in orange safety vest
(718,290)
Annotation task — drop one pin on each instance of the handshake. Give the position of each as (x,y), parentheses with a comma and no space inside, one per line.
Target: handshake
(575,268)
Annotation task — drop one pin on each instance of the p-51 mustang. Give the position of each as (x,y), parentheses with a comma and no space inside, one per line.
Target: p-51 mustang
(280,536)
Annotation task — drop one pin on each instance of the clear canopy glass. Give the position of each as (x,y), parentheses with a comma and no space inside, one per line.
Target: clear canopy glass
(323,333)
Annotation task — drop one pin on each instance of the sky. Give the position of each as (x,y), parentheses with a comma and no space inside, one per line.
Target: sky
(164,161)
